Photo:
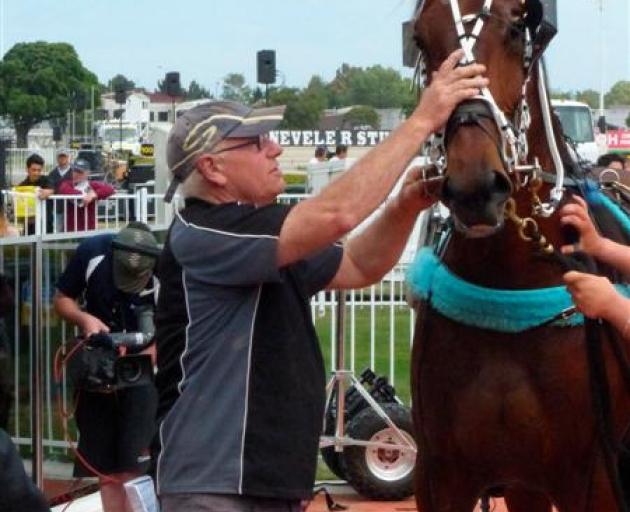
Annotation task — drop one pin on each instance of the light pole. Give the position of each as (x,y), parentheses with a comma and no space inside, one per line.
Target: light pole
(602,64)
(1,29)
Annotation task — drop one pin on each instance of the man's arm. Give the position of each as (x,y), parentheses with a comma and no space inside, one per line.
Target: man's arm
(69,310)
(369,255)
(345,203)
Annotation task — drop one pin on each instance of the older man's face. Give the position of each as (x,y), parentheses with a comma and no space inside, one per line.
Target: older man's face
(251,168)
(62,160)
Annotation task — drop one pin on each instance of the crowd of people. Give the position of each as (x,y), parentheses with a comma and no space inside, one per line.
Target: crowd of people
(234,417)
(68,178)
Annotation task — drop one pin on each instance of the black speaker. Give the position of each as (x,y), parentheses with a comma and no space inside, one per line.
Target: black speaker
(266,66)
(120,95)
(171,81)
(56,133)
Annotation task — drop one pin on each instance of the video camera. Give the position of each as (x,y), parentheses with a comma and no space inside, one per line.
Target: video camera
(98,366)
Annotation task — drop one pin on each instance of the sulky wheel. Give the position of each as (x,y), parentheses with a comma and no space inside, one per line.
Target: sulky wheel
(374,472)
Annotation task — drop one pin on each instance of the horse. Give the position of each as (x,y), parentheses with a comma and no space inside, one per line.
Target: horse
(502,399)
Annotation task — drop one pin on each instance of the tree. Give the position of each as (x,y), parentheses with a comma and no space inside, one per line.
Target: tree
(628,121)
(562,95)
(41,81)
(197,92)
(304,108)
(360,117)
(375,86)
(236,89)
(619,94)
(121,82)
(588,96)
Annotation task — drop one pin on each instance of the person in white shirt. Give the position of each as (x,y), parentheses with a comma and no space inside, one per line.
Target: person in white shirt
(320,155)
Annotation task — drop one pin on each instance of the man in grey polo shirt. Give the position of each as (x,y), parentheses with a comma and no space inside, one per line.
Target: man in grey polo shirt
(240,373)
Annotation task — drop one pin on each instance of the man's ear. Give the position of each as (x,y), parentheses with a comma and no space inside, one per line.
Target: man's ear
(211,169)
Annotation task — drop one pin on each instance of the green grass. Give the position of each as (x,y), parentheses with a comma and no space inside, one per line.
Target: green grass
(402,351)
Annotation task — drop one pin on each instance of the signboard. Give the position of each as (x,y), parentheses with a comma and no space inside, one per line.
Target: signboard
(329,138)
(147,150)
(618,140)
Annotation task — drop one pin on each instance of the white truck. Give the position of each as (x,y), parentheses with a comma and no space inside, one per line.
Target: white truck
(577,123)
(119,137)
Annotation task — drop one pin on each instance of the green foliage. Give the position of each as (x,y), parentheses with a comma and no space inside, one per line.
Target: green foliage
(41,81)
(374,86)
(628,121)
(588,96)
(360,117)
(304,108)
(235,88)
(121,82)
(197,92)
(619,94)
(562,95)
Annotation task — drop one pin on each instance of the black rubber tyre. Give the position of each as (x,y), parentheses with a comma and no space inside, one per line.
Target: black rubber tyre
(329,455)
(378,473)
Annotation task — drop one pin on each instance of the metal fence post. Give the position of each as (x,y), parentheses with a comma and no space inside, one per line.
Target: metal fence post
(37,381)
(141,205)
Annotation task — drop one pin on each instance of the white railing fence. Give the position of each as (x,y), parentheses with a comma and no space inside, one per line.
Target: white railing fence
(67,216)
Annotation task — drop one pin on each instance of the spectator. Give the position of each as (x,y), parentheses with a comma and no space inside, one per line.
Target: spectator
(6,384)
(56,177)
(6,228)
(341,153)
(611,161)
(17,492)
(34,178)
(81,213)
(240,372)
(320,155)
(116,426)
(595,296)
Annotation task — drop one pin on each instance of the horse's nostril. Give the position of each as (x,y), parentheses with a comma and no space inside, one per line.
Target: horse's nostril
(502,184)
(447,192)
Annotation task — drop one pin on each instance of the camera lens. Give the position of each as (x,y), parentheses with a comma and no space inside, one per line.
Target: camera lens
(129,370)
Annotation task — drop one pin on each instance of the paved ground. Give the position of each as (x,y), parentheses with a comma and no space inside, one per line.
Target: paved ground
(344,495)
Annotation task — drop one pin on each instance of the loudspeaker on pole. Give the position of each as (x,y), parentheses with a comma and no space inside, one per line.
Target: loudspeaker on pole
(173,87)
(266,66)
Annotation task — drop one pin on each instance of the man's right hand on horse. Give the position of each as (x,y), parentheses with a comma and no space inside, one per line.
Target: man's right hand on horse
(450,85)
(576,215)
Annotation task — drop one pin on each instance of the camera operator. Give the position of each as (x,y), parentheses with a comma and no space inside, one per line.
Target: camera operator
(114,276)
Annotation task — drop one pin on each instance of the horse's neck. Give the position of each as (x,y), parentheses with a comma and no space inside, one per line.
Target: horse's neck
(505,260)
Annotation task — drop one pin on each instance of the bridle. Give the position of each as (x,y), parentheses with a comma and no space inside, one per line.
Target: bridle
(512,145)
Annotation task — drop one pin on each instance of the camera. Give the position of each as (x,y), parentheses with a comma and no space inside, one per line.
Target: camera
(99,367)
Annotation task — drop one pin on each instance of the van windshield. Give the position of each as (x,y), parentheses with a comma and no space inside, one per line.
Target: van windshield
(116,134)
(577,123)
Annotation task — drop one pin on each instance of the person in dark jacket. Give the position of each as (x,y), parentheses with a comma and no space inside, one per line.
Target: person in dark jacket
(80,214)
(17,492)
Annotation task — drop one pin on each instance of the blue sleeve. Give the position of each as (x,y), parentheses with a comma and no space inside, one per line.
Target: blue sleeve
(317,271)
(225,258)
(72,282)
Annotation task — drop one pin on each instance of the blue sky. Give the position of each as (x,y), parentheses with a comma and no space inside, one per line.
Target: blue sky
(206,39)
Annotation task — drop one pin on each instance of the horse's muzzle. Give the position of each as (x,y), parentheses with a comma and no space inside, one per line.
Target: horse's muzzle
(477,206)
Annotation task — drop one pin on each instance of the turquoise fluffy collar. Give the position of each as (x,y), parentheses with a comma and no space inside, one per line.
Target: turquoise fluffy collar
(509,311)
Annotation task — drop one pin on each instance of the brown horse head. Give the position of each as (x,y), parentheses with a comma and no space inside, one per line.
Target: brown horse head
(480,174)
